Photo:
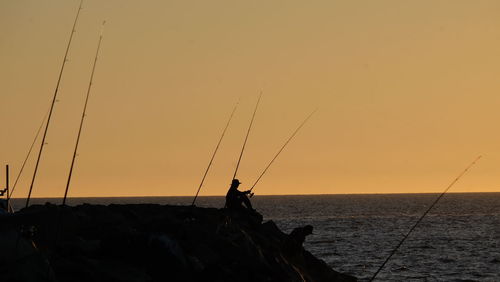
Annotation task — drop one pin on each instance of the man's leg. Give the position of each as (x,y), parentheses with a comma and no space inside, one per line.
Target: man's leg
(247,202)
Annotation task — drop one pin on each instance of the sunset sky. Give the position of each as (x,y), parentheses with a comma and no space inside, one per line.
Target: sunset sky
(408,95)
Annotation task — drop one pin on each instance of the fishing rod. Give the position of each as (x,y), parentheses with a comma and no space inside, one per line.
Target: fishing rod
(246,137)
(83,114)
(59,220)
(53,102)
(28,155)
(215,152)
(6,190)
(422,217)
(283,147)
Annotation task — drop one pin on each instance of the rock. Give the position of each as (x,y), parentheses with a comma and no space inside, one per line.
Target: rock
(149,242)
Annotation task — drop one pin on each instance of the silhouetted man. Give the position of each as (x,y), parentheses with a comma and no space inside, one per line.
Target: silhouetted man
(235,199)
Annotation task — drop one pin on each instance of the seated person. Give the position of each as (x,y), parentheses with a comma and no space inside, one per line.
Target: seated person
(235,199)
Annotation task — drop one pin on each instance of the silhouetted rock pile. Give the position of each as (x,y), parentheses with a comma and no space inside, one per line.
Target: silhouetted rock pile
(149,242)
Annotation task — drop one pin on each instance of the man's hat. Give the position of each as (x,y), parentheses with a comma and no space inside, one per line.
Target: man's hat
(235,181)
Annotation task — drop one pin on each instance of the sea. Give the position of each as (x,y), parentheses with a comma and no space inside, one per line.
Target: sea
(458,240)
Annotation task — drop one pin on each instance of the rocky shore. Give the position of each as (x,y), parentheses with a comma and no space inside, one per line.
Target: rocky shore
(150,242)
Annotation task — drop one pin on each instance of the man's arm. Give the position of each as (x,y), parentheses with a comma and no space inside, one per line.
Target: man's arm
(247,192)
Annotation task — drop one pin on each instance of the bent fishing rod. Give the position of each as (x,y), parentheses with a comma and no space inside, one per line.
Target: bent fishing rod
(280,150)
(423,215)
(84,113)
(53,102)
(28,155)
(246,137)
(215,152)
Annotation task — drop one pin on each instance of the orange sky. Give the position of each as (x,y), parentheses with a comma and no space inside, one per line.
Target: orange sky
(408,94)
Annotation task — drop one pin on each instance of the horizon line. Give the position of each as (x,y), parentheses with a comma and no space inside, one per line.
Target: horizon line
(266,195)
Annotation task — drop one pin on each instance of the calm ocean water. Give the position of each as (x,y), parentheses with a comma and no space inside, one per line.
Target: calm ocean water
(459,240)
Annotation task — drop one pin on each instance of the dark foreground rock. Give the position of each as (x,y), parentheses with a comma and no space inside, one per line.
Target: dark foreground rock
(151,243)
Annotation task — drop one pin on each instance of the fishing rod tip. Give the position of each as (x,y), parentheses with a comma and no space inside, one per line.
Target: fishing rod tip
(102,28)
(313,112)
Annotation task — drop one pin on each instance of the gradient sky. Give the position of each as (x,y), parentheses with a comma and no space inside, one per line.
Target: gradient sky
(408,94)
